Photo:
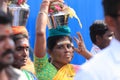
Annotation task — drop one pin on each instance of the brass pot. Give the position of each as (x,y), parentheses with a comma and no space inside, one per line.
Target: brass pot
(20,14)
(57,20)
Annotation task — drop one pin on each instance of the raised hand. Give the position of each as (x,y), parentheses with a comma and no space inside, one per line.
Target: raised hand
(58,0)
(81,49)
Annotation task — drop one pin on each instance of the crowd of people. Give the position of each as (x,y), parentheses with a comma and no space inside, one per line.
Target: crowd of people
(103,62)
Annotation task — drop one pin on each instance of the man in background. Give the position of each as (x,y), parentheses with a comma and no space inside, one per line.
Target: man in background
(100,36)
(106,66)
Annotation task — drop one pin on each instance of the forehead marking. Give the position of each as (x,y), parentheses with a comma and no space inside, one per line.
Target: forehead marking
(63,42)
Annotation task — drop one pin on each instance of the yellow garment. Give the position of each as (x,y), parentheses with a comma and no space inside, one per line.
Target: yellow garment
(29,66)
(67,72)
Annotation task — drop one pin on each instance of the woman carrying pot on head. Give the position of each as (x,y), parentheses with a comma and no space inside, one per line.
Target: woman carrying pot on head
(59,47)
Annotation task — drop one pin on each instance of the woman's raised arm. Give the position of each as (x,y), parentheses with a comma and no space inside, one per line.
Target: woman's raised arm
(40,42)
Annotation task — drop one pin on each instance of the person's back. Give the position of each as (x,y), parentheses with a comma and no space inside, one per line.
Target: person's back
(106,66)
(103,66)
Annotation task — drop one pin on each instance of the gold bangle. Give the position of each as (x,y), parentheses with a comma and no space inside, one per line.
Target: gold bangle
(45,1)
(43,12)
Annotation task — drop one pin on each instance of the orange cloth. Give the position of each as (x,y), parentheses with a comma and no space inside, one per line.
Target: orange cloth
(19,30)
(22,30)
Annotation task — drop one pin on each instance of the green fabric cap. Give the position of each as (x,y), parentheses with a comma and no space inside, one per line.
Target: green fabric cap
(59,30)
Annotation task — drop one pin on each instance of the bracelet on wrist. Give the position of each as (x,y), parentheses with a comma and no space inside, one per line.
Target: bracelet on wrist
(43,12)
(45,3)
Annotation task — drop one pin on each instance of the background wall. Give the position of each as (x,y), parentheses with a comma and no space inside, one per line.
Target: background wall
(87,10)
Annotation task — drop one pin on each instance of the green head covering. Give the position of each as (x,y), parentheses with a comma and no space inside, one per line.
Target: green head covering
(60,30)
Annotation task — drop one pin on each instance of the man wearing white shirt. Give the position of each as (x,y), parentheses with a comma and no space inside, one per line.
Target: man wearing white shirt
(95,49)
(100,36)
(106,64)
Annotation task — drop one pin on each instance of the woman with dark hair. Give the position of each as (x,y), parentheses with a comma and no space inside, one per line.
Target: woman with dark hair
(22,60)
(60,49)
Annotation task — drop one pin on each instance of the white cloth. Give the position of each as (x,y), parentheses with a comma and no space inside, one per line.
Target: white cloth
(22,76)
(95,49)
(15,74)
(103,66)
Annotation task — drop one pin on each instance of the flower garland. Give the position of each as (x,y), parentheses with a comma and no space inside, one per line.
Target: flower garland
(57,7)
(21,3)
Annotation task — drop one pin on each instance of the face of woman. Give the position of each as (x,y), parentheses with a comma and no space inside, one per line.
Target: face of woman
(62,52)
(22,52)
